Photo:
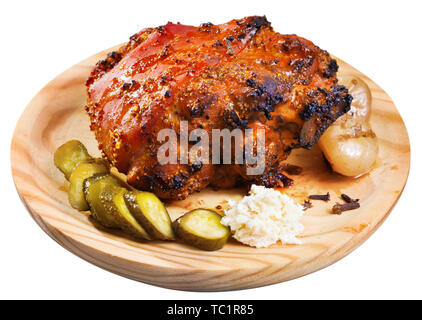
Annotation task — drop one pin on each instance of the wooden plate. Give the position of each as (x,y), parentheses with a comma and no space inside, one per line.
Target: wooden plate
(56,114)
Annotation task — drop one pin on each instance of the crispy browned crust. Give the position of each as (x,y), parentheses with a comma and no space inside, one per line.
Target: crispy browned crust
(240,74)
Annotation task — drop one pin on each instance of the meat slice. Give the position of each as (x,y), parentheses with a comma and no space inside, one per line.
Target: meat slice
(236,75)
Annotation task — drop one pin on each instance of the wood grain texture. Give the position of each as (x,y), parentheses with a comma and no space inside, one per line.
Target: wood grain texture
(56,114)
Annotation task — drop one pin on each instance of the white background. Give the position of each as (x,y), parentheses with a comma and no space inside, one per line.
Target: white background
(40,39)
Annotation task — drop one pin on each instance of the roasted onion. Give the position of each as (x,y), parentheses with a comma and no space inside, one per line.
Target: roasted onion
(349,144)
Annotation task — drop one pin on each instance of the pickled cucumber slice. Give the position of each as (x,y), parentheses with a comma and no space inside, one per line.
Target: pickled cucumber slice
(93,187)
(150,212)
(84,170)
(68,155)
(112,199)
(201,228)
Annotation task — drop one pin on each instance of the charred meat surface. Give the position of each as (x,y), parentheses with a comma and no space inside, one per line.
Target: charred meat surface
(241,74)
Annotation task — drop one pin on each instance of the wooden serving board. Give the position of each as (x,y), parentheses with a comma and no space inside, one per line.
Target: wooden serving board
(56,114)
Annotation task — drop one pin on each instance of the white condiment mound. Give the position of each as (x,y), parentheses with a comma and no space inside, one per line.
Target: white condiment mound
(264,217)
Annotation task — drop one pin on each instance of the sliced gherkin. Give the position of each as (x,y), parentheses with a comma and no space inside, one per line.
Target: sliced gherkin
(93,187)
(202,228)
(150,212)
(112,198)
(84,170)
(68,155)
